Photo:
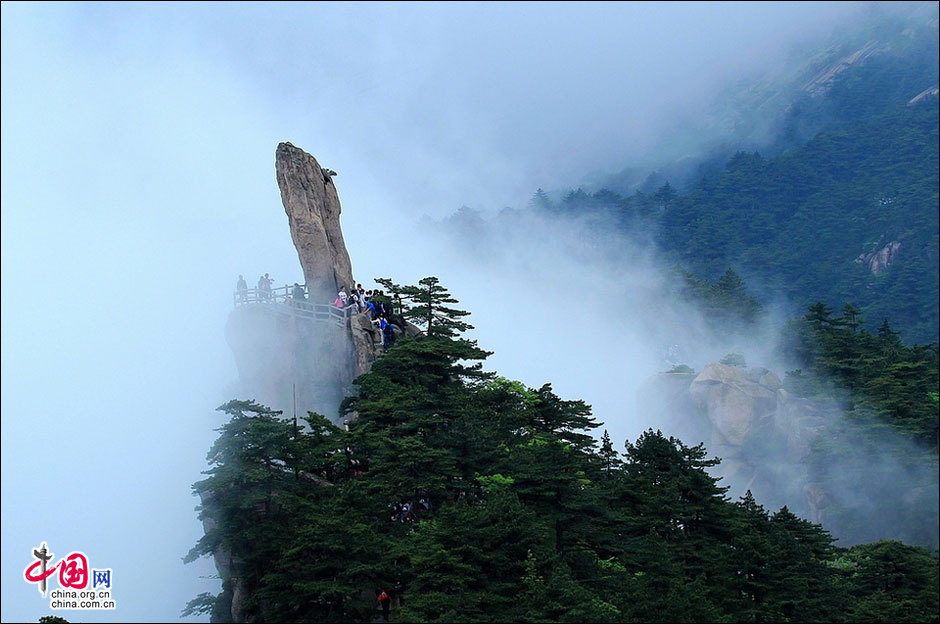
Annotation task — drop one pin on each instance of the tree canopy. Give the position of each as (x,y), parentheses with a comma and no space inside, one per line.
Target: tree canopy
(470,497)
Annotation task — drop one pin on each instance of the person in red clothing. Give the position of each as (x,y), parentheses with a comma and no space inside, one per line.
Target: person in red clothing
(386,603)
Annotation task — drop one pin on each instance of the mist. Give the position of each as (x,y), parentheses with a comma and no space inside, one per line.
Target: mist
(596,310)
(138,182)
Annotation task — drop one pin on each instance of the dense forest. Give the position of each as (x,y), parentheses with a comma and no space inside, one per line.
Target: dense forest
(846,174)
(874,376)
(798,226)
(466,496)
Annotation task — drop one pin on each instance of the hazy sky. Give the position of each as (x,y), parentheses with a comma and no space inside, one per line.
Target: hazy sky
(138,182)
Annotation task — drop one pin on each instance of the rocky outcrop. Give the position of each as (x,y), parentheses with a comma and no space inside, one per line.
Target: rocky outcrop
(313,209)
(366,340)
(313,212)
(799,452)
(763,435)
(286,355)
(740,408)
(224,561)
(736,404)
(933,91)
(879,260)
(822,81)
(283,358)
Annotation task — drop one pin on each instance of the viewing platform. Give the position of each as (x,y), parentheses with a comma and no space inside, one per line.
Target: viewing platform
(280,300)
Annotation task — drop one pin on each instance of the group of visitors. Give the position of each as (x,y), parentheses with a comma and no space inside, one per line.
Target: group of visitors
(263,292)
(379,307)
(358,298)
(264,287)
(358,301)
(409,511)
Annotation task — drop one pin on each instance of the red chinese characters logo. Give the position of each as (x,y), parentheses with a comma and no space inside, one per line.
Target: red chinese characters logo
(73,570)
(36,578)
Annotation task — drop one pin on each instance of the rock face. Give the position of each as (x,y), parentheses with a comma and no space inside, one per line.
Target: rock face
(313,209)
(366,341)
(222,557)
(737,405)
(822,82)
(879,260)
(281,357)
(804,453)
(284,355)
(740,406)
(744,416)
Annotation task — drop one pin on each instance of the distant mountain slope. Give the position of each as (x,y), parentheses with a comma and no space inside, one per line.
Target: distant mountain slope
(839,203)
(849,216)
(869,67)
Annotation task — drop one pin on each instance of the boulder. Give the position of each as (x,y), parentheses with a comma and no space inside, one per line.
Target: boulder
(737,407)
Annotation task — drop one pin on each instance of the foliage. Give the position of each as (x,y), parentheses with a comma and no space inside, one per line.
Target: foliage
(879,375)
(883,392)
(429,303)
(470,497)
(733,359)
(725,303)
(846,176)
(887,581)
(800,223)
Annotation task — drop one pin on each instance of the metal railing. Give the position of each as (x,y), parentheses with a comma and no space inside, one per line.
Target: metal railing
(282,301)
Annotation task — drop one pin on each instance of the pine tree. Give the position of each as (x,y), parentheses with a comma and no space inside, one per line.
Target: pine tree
(851,317)
(609,455)
(541,201)
(754,583)
(551,460)
(890,582)
(429,309)
(820,315)
(665,196)
(799,558)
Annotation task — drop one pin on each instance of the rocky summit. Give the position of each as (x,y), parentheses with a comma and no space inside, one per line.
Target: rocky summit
(313,209)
